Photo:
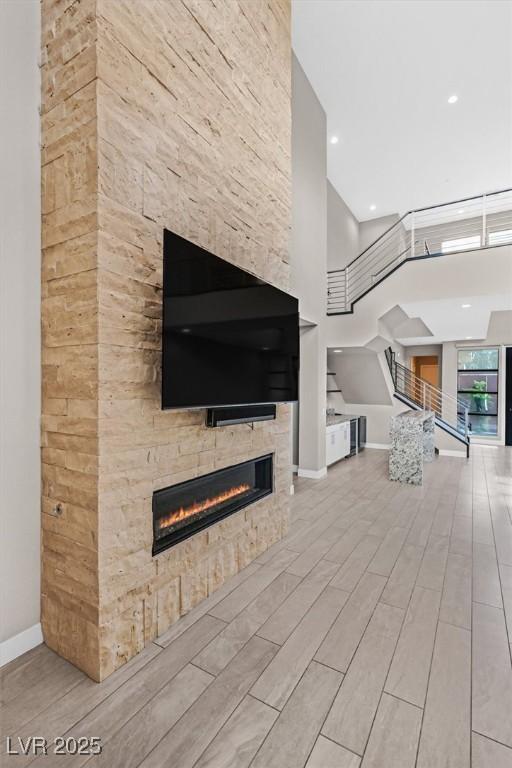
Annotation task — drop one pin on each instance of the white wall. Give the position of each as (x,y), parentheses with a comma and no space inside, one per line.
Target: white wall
(20,377)
(309,264)
(360,377)
(309,198)
(342,231)
(377,416)
(419,350)
(371,229)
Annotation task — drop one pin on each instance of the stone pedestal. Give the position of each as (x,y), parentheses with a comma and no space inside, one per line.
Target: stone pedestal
(412,443)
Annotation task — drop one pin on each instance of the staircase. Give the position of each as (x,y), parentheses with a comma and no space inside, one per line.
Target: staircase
(451,414)
(463,225)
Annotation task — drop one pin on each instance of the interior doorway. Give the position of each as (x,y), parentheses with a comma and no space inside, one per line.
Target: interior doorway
(427,368)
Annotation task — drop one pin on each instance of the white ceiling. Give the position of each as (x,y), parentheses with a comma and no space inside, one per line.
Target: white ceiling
(449,321)
(383,71)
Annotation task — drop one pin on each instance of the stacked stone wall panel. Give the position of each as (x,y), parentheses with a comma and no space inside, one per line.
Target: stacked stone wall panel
(155,114)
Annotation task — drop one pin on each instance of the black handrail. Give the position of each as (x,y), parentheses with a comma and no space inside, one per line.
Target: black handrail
(460,434)
(419,210)
(393,369)
(329,271)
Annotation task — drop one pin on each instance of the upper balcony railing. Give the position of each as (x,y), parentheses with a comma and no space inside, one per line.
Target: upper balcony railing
(463,225)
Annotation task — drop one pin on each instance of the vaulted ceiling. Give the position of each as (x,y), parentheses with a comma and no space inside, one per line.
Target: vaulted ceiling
(384,71)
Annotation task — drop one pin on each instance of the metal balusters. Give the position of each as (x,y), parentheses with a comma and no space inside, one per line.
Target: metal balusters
(447,408)
(463,225)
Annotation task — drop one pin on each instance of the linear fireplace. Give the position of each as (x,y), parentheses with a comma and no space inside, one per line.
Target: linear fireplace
(186,508)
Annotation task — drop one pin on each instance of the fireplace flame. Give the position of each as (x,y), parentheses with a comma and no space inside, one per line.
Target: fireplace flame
(201,506)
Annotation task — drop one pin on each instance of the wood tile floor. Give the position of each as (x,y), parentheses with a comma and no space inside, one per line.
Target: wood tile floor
(376,635)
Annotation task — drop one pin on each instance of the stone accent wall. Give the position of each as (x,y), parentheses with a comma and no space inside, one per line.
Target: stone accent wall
(156,113)
(70,432)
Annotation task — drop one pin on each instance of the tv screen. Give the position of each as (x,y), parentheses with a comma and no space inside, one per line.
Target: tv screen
(228,338)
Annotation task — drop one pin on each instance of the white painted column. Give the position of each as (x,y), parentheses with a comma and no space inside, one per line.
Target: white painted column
(20,322)
(309,266)
(312,403)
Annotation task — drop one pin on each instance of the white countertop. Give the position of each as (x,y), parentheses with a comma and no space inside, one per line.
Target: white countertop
(340,418)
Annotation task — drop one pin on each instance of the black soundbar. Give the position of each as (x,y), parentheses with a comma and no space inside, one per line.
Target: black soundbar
(239,414)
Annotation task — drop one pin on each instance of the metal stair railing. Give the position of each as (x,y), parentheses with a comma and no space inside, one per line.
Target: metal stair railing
(448,410)
(461,225)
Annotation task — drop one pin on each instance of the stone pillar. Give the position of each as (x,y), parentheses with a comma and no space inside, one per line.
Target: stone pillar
(154,115)
(412,443)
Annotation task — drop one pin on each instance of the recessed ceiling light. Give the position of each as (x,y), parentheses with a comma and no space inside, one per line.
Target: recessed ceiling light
(334,139)
(453,99)
(338,350)
(469,337)
(373,207)
(461,210)
(465,306)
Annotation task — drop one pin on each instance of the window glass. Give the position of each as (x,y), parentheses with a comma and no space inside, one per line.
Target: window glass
(461,244)
(500,237)
(483,425)
(480,402)
(478,359)
(470,381)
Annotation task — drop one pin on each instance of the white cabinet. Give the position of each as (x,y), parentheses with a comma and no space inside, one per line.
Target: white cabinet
(345,440)
(337,442)
(330,445)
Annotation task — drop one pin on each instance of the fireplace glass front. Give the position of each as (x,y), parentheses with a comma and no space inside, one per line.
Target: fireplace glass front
(186,508)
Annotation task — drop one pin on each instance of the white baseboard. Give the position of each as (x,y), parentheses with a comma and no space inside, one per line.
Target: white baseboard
(449,452)
(380,446)
(15,646)
(312,474)
(492,441)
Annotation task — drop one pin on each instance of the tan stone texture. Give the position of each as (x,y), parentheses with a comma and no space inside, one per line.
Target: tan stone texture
(155,114)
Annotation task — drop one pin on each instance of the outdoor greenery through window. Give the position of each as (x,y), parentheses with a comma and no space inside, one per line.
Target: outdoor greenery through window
(477,385)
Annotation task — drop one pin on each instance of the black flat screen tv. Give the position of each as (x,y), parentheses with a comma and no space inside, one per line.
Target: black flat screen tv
(228,338)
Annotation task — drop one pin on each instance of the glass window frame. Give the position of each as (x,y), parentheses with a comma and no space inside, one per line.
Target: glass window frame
(483,372)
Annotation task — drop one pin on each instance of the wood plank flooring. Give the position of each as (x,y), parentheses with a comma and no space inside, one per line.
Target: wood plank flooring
(376,635)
